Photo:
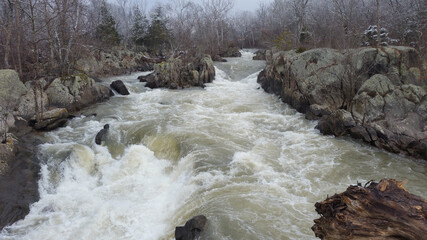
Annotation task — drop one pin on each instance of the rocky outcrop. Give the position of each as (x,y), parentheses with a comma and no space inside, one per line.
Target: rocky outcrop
(383,210)
(115,62)
(231,52)
(376,94)
(175,74)
(192,228)
(76,92)
(120,87)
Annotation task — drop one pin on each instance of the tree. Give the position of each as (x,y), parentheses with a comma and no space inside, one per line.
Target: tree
(106,31)
(139,28)
(158,37)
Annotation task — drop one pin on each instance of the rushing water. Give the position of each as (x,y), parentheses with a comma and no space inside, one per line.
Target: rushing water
(251,164)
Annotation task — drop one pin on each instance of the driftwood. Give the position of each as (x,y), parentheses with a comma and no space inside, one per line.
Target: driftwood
(383,210)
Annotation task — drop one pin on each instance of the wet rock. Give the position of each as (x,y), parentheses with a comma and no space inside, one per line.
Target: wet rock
(259,55)
(192,228)
(375,94)
(120,87)
(18,179)
(218,58)
(51,120)
(231,52)
(100,135)
(76,92)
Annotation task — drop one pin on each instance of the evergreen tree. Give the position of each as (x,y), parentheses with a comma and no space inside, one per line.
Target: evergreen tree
(158,34)
(106,31)
(139,28)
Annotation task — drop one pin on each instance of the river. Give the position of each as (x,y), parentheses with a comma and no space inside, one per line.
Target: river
(248,162)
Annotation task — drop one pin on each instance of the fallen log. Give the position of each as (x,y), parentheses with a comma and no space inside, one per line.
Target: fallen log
(383,210)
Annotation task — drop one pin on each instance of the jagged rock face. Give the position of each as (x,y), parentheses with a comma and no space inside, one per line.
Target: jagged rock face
(174,74)
(376,94)
(76,92)
(51,120)
(116,62)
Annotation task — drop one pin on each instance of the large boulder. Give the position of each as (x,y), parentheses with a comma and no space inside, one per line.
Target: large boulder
(76,92)
(120,87)
(175,74)
(375,94)
(11,90)
(27,103)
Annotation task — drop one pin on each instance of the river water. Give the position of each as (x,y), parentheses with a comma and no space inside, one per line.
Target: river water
(248,162)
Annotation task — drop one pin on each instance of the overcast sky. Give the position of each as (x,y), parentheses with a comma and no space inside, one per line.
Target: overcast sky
(239,5)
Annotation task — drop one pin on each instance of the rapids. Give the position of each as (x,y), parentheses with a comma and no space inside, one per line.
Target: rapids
(248,162)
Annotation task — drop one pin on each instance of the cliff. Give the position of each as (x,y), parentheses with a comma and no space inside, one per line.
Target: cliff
(375,94)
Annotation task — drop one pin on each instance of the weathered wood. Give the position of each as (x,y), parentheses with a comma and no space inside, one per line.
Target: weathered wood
(383,210)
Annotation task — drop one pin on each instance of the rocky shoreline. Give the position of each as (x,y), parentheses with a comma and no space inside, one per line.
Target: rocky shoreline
(378,95)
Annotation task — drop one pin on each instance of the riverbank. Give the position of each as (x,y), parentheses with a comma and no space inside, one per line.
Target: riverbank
(374,94)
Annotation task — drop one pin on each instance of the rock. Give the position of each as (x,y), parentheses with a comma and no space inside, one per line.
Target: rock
(145,78)
(192,228)
(100,135)
(260,55)
(370,93)
(175,74)
(76,92)
(11,90)
(383,210)
(27,104)
(218,58)
(19,177)
(120,87)
(51,120)
(231,52)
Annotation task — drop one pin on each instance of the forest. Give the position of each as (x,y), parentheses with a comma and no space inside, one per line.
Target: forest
(46,37)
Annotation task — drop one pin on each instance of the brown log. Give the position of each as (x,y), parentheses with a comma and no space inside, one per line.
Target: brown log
(383,210)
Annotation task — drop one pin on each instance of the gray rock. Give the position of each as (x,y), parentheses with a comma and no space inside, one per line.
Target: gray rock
(192,228)
(377,95)
(51,120)
(11,90)
(76,92)
(120,87)
(100,135)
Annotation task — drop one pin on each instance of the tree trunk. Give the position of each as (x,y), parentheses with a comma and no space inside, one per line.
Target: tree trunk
(378,24)
(18,32)
(381,211)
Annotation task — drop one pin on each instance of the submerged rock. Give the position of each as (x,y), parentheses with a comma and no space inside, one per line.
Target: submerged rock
(192,228)
(100,135)
(120,87)
(375,94)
